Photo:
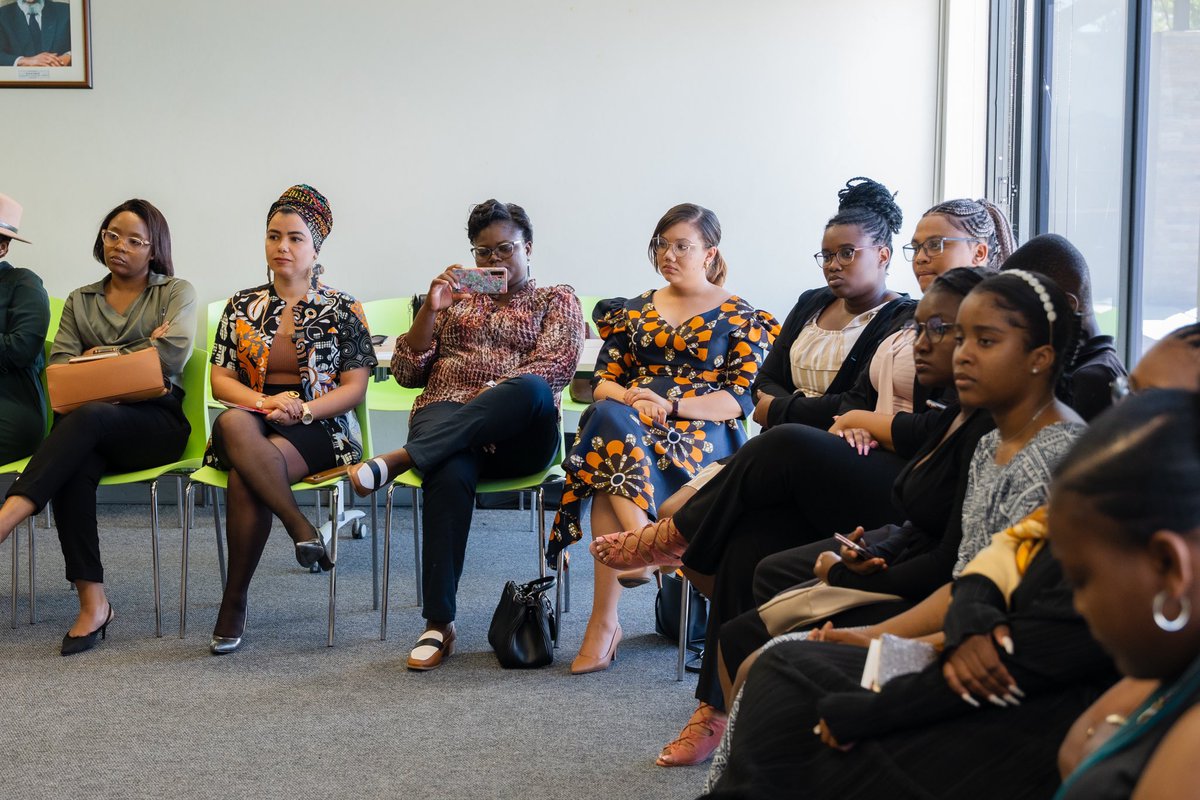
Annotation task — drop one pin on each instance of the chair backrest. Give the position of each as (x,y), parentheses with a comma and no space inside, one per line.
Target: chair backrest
(389,317)
(56,312)
(588,303)
(364,427)
(195,378)
(215,309)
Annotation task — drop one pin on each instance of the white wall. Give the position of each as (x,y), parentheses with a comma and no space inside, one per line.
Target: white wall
(596,117)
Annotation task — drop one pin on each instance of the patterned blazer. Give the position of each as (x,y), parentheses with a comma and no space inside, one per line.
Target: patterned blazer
(331,338)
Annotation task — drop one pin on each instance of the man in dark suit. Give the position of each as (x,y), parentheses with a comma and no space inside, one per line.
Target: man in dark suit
(35,33)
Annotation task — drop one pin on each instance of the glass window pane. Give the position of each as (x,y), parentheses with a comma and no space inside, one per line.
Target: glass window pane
(1087,140)
(1171,262)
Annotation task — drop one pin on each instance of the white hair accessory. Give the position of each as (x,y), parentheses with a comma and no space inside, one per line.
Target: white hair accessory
(1043,295)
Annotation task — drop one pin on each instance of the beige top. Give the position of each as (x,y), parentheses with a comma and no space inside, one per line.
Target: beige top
(892,373)
(817,354)
(89,321)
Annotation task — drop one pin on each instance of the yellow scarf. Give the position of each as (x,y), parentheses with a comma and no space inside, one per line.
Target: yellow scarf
(1005,560)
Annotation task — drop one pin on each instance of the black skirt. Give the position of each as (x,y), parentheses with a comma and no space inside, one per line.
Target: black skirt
(313,442)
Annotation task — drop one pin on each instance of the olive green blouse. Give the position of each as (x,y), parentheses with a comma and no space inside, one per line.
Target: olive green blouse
(89,321)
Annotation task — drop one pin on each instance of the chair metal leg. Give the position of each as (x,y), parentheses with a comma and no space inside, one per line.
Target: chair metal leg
(685,598)
(216,512)
(32,571)
(541,513)
(16,571)
(189,507)
(154,557)
(387,561)
(374,553)
(333,540)
(532,509)
(417,547)
(48,514)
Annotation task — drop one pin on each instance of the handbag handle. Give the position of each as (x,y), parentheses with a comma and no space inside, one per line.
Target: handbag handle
(538,586)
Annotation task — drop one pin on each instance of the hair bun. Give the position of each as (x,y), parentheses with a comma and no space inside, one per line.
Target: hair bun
(865,193)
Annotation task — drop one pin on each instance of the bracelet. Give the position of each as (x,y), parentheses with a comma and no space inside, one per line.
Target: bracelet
(675,408)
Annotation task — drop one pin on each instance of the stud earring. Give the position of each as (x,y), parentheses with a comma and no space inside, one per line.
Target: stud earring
(1035,370)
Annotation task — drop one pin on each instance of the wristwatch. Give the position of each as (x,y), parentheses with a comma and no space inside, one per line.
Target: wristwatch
(307,416)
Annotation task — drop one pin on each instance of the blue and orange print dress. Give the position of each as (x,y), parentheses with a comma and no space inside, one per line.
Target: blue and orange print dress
(619,450)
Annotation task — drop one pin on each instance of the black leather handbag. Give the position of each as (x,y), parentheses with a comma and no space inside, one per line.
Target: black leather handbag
(666,611)
(523,628)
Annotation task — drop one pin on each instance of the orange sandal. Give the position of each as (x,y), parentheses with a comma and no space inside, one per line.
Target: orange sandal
(698,739)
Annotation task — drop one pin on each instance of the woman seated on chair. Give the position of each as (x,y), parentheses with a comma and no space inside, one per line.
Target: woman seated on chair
(672,384)
(293,405)
(493,367)
(139,304)
(24,318)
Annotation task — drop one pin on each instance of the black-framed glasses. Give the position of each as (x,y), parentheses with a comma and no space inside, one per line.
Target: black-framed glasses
(844,255)
(504,250)
(934,245)
(680,248)
(935,328)
(132,242)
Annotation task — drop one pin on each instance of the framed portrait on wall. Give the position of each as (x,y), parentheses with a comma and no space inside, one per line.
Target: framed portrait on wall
(45,44)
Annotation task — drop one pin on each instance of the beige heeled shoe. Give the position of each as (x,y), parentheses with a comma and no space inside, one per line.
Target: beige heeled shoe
(585,663)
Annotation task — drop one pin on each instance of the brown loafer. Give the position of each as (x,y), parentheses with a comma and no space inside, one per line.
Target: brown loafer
(430,650)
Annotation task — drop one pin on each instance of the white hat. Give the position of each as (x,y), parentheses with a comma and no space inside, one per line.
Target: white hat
(10,218)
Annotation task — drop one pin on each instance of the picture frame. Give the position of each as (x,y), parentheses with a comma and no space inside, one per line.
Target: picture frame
(60,31)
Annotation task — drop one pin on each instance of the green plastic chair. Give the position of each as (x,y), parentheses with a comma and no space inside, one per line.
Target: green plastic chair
(214,479)
(391,317)
(193,408)
(215,309)
(527,483)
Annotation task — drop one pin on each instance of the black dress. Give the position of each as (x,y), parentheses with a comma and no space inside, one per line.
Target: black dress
(916,738)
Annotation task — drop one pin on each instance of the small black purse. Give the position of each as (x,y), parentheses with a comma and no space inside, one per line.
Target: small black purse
(523,627)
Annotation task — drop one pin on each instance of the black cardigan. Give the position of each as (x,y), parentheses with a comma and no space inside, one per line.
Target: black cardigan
(775,377)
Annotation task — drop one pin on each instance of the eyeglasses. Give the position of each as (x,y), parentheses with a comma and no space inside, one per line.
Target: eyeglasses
(935,328)
(844,255)
(132,242)
(504,250)
(934,245)
(680,248)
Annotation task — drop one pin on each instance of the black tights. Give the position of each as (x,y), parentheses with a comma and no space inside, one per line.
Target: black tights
(262,468)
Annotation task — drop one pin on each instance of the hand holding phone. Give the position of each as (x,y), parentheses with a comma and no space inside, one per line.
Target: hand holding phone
(858,549)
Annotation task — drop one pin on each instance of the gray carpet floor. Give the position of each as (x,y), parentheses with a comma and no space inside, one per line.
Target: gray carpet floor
(288,717)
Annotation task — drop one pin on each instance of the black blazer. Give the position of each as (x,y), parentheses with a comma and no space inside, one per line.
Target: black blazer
(775,377)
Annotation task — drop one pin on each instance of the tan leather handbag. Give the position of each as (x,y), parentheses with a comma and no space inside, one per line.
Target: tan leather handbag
(107,378)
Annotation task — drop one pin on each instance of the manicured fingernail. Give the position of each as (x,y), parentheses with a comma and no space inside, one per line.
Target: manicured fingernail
(1014,690)
(966,696)
(1007,643)
(1012,701)
(996,701)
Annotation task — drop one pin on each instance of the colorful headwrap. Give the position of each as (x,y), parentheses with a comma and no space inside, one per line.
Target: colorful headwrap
(312,207)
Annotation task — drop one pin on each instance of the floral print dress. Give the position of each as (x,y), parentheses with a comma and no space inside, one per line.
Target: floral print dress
(622,452)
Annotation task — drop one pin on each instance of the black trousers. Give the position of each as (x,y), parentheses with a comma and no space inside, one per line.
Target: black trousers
(94,439)
(789,486)
(446,442)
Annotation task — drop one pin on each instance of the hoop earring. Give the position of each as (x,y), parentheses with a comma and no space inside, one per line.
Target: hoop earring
(1171,625)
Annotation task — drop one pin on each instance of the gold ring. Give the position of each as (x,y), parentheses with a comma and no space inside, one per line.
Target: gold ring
(294,395)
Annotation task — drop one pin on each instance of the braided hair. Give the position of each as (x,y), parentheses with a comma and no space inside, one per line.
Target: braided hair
(1139,465)
(961,280)
(872,207)
(980,219)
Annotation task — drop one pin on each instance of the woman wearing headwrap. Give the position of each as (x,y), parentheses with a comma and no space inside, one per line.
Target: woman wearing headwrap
(295,402)
(139,304)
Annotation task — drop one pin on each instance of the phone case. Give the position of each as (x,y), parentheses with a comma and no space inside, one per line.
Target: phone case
(482,280)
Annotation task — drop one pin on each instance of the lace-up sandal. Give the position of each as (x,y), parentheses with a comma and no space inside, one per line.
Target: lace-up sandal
(658,544)
(698,739)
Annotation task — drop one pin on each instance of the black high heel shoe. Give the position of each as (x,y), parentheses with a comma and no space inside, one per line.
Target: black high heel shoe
(311,552)
(78,644)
